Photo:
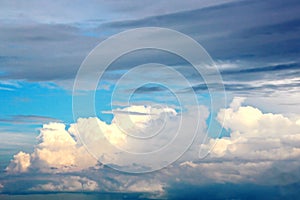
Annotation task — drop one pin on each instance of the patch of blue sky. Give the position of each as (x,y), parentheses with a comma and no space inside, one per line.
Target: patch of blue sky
(36,99)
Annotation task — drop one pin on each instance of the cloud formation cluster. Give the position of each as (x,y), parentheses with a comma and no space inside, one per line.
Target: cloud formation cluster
(263,148)
(256,135)
(64,150)
(271,39)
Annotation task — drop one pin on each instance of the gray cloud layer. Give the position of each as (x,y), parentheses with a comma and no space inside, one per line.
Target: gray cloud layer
(264,33)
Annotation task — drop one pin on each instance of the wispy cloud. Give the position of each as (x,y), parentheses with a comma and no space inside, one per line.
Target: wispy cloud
(9,85)
(28,119)
(256,39)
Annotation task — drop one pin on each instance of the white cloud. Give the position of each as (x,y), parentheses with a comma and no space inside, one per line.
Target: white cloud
(68,184)
(20,163)
(60,150)
(9,85)
(251,121)
(138,131)
(258,144)
(262,148)
(57,151)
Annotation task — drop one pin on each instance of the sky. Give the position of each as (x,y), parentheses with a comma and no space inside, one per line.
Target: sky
(150,99)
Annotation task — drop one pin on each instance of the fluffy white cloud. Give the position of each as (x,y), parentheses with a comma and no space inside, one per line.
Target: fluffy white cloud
(251,121)
(136,138)
(263,148)
(257,135)
(258,144)
(60,150)
(20,163)
(57,151)
(68,184)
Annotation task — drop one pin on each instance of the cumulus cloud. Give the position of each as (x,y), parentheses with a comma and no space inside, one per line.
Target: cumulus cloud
(258,144)
(20,163)
(68,184)
(136,137)
(246,119)
(64,150)
(57,151)
(263,148)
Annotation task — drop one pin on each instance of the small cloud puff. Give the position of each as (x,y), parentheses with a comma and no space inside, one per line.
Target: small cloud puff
(20,163)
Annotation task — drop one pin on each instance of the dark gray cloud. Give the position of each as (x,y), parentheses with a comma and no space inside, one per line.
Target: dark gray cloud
(42,52)
(146,89)
(252,34)
(260,30)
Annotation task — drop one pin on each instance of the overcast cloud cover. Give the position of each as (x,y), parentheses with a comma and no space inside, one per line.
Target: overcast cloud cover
(255,45)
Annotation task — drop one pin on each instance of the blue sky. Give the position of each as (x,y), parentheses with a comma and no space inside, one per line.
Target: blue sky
(255,46)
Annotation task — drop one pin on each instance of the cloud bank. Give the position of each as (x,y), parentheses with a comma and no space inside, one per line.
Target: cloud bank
(133,129)
(263,149)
